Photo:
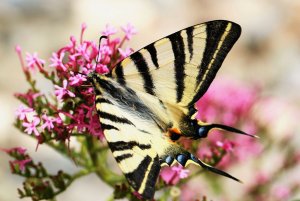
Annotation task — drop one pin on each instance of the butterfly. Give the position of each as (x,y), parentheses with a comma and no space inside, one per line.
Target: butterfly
(147,102)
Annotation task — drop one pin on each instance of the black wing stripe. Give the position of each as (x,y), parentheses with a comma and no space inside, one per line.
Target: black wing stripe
(151,179)
(121,145)
(214,33)
(123,157)
(108,127)
(97,90)
(143,131)
(135,177)
(189,32)
(143,69)
(120,74)
(179,61)
(113,118)
(153,53)
(100,99)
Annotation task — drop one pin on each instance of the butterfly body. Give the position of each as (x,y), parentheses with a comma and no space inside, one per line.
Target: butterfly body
(147,102)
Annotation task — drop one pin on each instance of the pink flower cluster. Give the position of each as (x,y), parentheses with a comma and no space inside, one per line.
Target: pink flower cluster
(21,158)
(228,102)
(58,119)
(172,175)
(32,123)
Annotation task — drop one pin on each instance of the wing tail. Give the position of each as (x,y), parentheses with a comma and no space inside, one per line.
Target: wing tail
(144,177)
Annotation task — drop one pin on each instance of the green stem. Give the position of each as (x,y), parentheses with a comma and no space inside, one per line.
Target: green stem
(99,160)
(165,195)
(111,198)
(75,176)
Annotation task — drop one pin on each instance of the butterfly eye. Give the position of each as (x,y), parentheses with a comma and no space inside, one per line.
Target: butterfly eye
(194,123)
(202,131)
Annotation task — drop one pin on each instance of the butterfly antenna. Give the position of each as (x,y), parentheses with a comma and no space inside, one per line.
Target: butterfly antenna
(99,45)
(231,129)
(204,129)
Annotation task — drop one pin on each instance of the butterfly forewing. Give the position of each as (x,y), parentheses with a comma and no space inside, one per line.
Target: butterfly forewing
(178,69)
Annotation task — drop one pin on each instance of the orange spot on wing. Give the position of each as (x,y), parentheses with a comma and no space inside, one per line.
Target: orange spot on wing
(175,131)
(174,134)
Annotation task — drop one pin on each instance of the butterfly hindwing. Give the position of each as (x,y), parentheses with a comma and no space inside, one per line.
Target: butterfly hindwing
(133,133)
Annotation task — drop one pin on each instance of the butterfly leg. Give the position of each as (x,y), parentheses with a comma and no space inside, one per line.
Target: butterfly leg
(185,158)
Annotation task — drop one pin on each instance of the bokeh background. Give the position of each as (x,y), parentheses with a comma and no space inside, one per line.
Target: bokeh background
(267,54)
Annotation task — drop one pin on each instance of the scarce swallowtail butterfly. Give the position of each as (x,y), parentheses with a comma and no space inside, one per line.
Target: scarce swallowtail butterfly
(147,102)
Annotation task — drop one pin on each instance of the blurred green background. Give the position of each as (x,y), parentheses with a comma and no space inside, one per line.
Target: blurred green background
(268,54)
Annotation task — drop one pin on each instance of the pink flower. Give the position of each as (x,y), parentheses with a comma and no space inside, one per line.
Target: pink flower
(83,28)
(60,92)
(21,163)
(281,192)
(94,127)
(30,97)
(269,109)
(83,51)
(171,175)
(32,60)
(19,150)
(129,30)
(18,49)
(182,173)
(58,119)
(31,126)
(204,151)
(227,145)
(105,50)
(88,68)
(56,61)
(261,178)
(225,102)
(102,69)
(125,53)
(77,79)
(22,111)
(48,122)
(246,147)
(109,30)
(113,43)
